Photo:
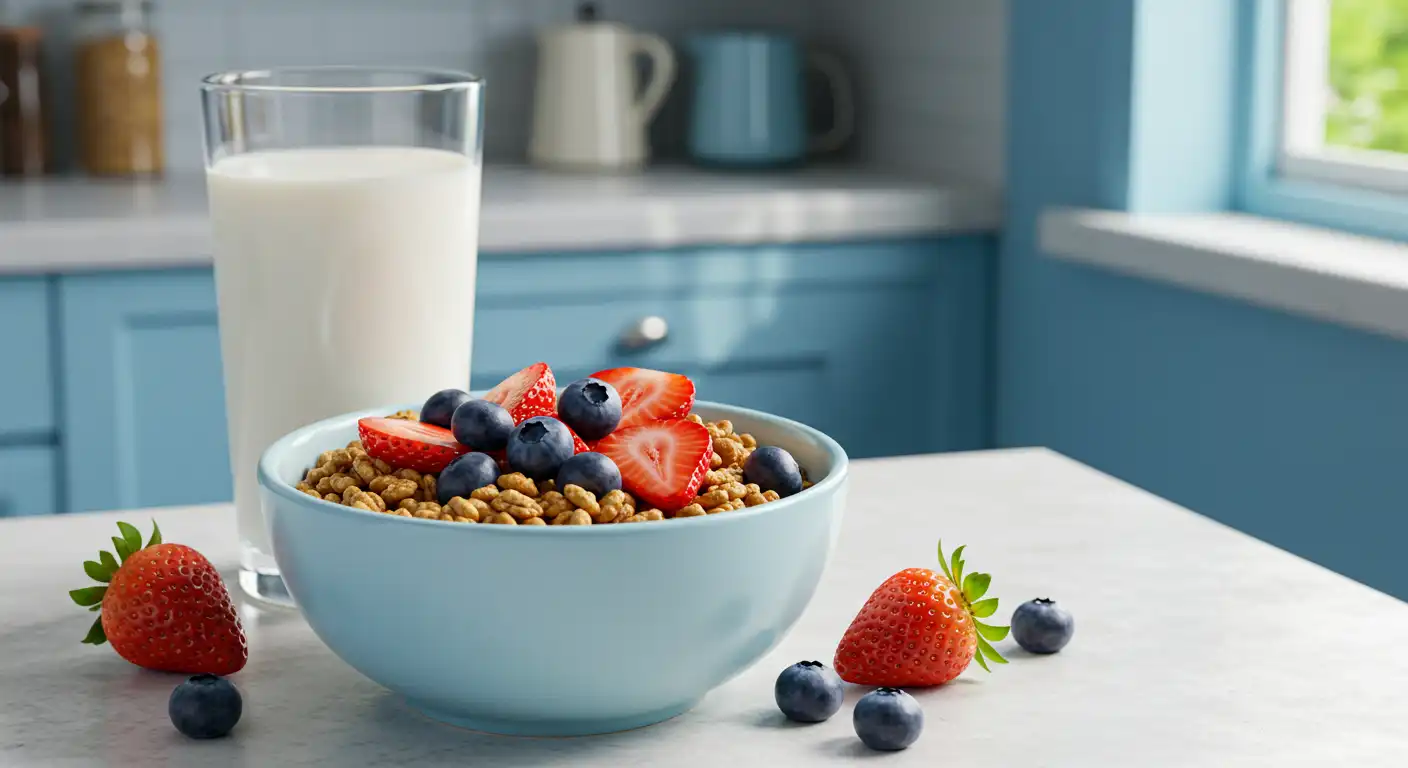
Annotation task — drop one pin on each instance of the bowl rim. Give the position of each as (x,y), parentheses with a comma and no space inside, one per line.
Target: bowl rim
(269,480)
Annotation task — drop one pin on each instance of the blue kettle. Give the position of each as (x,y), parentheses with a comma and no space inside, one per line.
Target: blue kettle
(749,102)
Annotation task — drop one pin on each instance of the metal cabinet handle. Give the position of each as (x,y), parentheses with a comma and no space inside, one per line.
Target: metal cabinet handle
(644,333)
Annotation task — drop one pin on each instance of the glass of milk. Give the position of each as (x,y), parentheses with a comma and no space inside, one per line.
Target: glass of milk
(344,204)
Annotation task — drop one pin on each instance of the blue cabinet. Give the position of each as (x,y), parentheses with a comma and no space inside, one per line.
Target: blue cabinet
(28,484)
(26,401)
(143,419)
(833,335)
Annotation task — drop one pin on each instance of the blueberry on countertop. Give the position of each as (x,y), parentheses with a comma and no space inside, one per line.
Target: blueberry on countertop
(591,407)
(441,406)
(808,692)
(466,473)
(482,425)
(205,707)
(1042,626)
(539,446)
(593,471)
(773,469)
(888,719)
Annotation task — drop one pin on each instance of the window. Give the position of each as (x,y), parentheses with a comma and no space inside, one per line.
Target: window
(1344,102)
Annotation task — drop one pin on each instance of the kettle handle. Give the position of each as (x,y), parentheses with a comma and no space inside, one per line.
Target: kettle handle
(662,74)
(842,100)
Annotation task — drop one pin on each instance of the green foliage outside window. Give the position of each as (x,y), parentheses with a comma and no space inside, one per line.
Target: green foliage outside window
(1369,75)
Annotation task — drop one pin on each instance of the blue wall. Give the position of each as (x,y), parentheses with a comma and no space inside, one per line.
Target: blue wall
(1291,430)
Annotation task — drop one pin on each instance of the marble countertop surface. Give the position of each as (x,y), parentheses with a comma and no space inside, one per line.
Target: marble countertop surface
(63,225)
(1195,646)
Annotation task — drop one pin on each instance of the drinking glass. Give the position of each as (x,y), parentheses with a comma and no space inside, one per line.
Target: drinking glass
(344,204)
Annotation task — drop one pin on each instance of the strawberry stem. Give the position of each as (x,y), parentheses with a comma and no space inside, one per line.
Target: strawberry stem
(96,635)
(104,569)
(971,588)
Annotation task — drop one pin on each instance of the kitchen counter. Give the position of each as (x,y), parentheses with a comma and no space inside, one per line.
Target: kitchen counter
(1195,646)
(84,224)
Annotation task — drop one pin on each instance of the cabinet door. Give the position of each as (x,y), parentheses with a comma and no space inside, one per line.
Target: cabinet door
(26,400)
(143,403)
(27,481)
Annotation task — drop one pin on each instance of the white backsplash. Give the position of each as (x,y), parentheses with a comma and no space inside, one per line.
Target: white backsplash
(929,72)
(931,82)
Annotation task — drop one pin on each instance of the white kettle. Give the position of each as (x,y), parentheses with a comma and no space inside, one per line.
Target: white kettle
(590,111)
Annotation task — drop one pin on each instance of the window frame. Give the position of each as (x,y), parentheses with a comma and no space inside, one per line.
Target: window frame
(1279,178)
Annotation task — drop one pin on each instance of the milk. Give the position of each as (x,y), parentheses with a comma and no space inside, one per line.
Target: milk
(346,281)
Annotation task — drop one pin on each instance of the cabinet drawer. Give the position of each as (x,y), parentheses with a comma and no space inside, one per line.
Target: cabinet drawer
(577,339)
(26,399)
(28,485)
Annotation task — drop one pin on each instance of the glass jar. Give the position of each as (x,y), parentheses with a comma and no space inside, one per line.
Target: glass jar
(118,72)
(24,123)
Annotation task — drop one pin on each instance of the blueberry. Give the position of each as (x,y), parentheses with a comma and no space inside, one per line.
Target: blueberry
(591,407)
(539,446)
(441,406)
(205,707)
(482,425)
(808,692)
(1042,626)
(461,476)
(592,471)
(773,469)
(888,719)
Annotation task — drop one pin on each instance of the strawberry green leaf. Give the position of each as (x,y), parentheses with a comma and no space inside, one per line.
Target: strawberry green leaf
(88,595)
(943,561)
(984,608)
(96,571)
(976,585)
(957,574)
(121,546)
(987,650)
(990,632)
(97,607)
(109,562)
(131,535)
(156,535)
(96,635)
(978,657)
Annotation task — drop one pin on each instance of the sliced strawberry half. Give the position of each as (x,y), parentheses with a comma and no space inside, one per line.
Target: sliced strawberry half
(648,395)
(661,462)
(409,444)
(528,393)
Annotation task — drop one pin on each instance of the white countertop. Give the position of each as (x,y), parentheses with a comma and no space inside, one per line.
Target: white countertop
(1194,646)
(83,224)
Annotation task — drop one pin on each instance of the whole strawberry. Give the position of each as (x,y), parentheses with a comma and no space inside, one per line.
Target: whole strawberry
(919,628)
(164,607)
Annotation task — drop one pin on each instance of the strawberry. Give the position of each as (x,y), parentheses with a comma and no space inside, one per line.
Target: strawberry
(920,628)
(164,607)
(648,395)
(409,444)
(528,393)
(661,462)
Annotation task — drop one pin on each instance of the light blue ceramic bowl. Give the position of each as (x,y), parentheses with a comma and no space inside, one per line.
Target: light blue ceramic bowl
(553,630)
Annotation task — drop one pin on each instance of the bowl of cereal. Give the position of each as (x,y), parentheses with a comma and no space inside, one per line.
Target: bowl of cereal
(584,609)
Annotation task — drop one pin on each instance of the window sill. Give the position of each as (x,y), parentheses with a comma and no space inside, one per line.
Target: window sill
(1356,281)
